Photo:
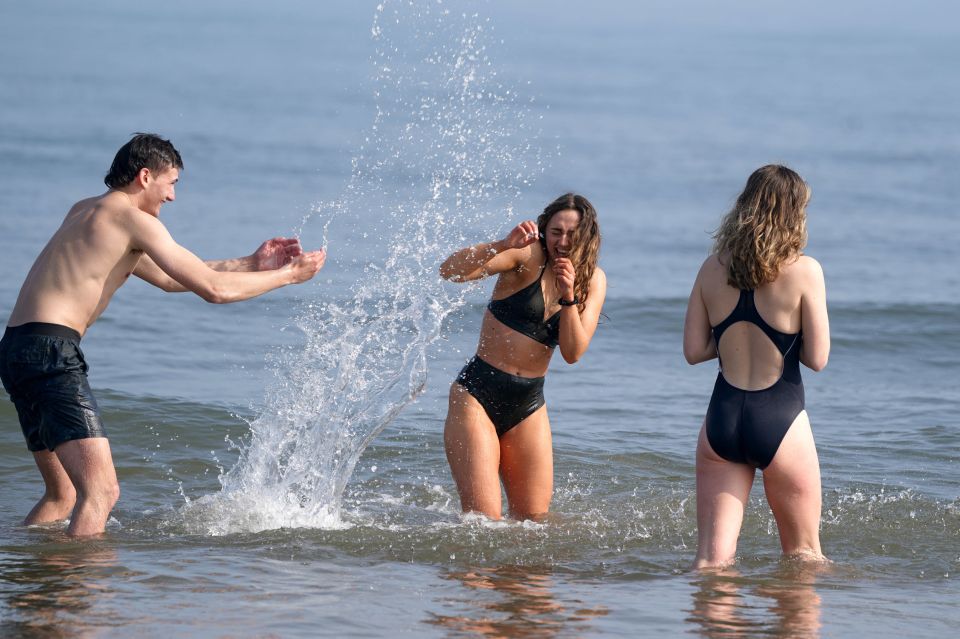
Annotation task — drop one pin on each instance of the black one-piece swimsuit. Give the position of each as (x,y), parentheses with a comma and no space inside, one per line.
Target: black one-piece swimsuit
(745,426)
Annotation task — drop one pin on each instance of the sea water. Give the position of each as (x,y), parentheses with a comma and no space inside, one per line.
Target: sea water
(281,460)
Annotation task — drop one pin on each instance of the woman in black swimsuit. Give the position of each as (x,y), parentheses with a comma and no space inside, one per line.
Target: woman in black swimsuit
(549,293)
(759,305)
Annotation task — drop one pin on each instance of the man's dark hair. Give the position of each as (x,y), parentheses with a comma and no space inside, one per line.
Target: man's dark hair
(143,151)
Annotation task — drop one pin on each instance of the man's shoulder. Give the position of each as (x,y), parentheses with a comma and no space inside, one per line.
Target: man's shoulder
(103,205)
(112,219)
(113,207)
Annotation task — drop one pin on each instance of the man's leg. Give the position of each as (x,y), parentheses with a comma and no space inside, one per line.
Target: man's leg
(59,495)
(89,466)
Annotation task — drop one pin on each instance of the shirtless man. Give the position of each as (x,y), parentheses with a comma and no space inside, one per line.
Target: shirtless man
(102,241)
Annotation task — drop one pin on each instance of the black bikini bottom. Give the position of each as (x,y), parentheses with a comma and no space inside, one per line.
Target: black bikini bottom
(507,399)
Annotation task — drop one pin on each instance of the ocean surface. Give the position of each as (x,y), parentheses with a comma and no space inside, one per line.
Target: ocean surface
(281,460)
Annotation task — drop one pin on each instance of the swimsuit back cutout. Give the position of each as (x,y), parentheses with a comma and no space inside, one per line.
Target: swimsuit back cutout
(524,310)
(745,320)
(747,420)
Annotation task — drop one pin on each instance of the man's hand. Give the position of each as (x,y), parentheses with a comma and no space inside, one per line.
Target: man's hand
(305,266)
(566,277)
(523,234)
(276,253)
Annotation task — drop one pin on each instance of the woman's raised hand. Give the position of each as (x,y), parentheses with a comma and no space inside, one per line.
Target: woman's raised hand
(523,234)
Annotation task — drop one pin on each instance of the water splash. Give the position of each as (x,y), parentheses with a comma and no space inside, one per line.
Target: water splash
(449,151)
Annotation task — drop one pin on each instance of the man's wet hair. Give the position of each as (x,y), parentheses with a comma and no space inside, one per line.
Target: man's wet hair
(143,151)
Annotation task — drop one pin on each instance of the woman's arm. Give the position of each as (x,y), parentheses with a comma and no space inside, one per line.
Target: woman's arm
(698,344)
(490,258)
(815,350)
(576,328)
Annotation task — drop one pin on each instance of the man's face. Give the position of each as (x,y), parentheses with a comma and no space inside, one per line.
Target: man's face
(159,188)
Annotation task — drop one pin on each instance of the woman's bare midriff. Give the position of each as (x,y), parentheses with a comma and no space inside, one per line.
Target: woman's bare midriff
(510,351)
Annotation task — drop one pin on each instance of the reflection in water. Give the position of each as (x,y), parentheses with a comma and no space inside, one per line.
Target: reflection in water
(52,587)
(512,601)
(785,604)
(717,606)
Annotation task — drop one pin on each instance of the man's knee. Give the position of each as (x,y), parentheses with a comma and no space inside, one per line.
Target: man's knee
(105,493)
(90,467)
(112,492)
(99,497)
(61,492)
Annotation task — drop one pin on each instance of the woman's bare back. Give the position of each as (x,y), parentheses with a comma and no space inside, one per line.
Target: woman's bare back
(750,360)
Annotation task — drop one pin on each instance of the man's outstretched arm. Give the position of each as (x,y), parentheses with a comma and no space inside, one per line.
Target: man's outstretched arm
(218,287)
(272,254)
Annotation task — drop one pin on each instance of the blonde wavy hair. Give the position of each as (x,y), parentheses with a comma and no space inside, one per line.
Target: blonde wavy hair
(766,228)
(585,241)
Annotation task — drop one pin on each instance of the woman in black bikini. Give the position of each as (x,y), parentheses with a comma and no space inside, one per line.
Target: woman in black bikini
(549,293)
(759,305)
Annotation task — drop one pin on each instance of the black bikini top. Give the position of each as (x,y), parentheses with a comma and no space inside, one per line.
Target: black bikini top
(523,312)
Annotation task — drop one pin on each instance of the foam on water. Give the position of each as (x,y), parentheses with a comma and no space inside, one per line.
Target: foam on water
(446,156)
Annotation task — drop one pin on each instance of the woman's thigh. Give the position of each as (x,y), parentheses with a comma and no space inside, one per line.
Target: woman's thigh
(526,466)
(473,452)
(723,488)
(792,485)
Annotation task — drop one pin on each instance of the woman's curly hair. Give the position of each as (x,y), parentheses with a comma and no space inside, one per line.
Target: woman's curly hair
(585,243)
(766,228)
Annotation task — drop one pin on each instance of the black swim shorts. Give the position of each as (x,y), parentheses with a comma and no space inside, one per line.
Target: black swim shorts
(43,370)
